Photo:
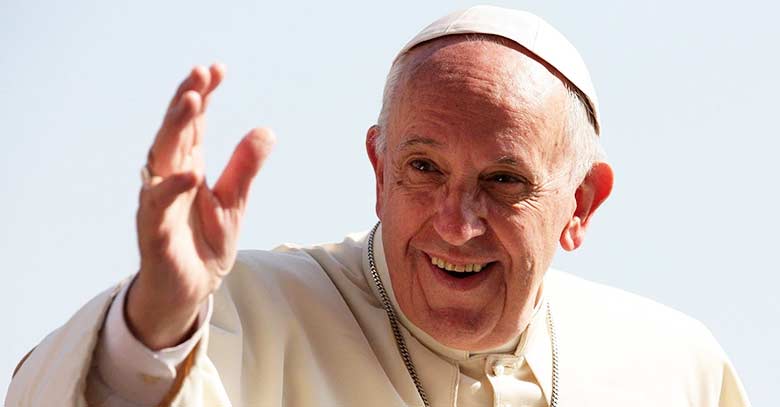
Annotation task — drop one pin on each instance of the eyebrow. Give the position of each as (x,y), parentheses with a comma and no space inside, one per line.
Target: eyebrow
(509,160)
(417,140)
(427,141)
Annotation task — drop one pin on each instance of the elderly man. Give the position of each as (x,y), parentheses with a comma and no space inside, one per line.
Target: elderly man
(486,158)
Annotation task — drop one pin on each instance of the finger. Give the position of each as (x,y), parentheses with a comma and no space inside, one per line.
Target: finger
(197,80)
(182,115)
(175,140)
(217,73)
(182,127)
(232,188)
(157,196)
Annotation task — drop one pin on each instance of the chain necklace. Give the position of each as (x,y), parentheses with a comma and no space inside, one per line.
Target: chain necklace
(401,342)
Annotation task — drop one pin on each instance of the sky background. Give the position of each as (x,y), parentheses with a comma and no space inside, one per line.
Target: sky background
(689,100)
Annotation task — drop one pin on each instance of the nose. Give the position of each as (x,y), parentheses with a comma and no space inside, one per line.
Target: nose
(458,217)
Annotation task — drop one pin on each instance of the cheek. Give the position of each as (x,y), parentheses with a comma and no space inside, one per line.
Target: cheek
(404,211)
(407,198)
(407,210)
(412,198)
(527,231)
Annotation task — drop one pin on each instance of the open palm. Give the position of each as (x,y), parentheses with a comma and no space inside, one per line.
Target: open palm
(187,231)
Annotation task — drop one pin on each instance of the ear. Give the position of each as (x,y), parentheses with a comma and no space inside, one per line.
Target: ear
(593,191)
(376,161)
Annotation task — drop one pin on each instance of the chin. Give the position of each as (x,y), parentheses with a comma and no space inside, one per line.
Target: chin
(464,330)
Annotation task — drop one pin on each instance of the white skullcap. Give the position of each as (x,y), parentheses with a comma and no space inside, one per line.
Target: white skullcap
(524,28)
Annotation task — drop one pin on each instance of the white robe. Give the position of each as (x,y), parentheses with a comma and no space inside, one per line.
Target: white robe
(304,327)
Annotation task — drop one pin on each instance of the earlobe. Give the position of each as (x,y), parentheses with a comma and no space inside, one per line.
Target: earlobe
(376,162)
(593,191)
(572,235)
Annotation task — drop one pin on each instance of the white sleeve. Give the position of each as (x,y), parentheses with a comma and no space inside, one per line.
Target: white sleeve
(124,372)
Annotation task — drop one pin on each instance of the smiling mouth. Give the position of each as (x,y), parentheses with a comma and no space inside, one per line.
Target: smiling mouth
(459,270)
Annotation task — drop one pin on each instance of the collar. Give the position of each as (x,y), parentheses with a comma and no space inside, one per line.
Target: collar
(533,344)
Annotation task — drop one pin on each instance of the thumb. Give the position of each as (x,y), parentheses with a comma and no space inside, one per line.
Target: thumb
(232,188)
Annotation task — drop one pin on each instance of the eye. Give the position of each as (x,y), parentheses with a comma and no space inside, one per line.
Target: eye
(506,179)
(423,165)
(507,187)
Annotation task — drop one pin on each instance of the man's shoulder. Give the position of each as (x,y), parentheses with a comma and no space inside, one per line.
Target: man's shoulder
(615,331)
(295,273)
(600,303)
(290,260)
(285,298)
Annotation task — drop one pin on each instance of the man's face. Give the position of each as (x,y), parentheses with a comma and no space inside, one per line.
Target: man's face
(474,176)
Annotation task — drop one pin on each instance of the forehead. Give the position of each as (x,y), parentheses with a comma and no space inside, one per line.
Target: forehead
(494,59)
(477,87)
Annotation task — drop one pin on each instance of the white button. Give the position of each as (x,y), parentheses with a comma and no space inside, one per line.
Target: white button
(498,369)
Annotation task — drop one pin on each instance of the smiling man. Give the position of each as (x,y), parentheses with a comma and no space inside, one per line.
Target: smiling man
(487,158)
(476,185)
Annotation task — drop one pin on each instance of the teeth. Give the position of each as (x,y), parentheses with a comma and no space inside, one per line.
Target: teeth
(458,268)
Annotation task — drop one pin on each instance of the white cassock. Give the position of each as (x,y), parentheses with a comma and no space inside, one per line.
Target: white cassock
(305,327)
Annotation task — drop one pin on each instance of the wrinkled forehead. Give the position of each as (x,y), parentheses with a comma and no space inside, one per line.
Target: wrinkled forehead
(500,68)
(462,87)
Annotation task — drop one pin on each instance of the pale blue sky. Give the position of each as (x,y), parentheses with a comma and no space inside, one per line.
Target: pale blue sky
(688,93)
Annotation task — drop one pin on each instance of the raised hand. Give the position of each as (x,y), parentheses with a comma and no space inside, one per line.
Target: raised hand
(187,232)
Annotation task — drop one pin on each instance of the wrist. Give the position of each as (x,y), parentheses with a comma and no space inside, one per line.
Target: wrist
(157,317)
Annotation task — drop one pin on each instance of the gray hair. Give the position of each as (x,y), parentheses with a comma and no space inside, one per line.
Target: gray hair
(580,128)
(580,123)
